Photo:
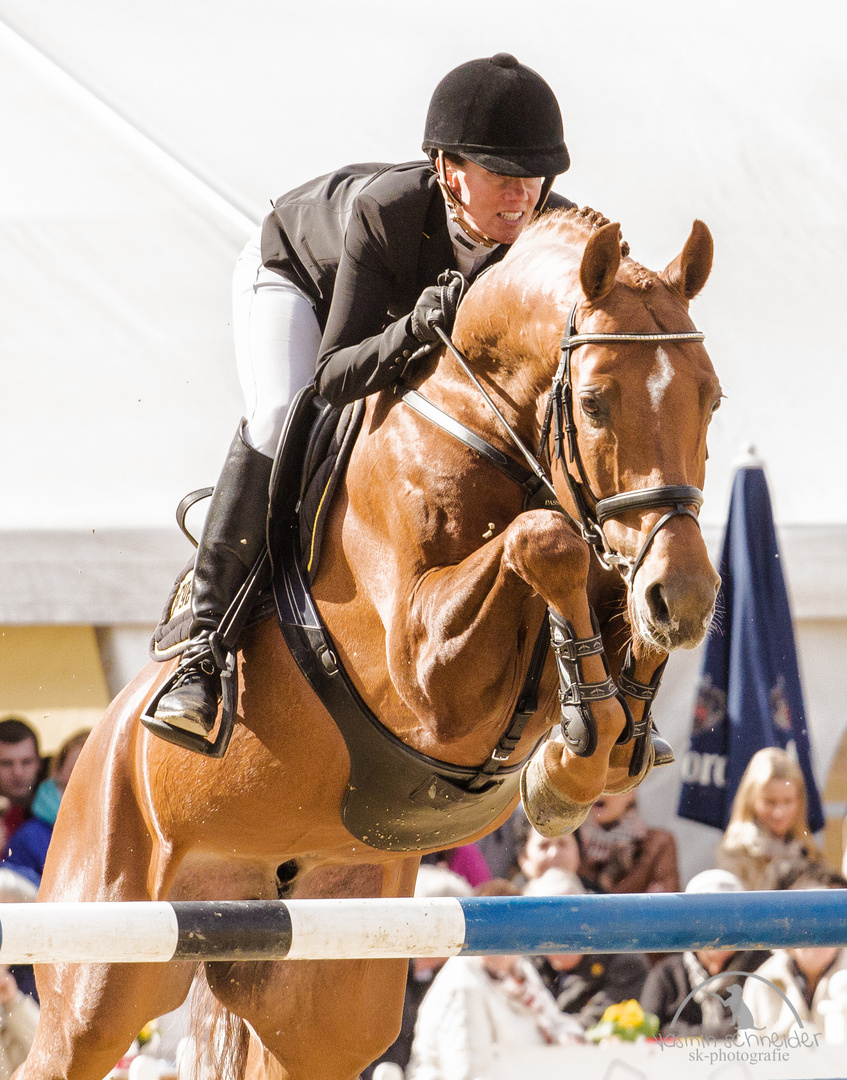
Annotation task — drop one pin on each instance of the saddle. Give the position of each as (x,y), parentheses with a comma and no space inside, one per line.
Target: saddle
(397,799)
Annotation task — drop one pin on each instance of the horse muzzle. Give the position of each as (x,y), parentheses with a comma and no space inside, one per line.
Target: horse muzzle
(672,603)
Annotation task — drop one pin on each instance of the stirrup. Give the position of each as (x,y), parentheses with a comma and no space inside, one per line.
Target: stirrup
(189,740)
(579,728)
(642,732)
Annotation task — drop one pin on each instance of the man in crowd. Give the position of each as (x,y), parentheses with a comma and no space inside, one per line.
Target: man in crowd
(20,771)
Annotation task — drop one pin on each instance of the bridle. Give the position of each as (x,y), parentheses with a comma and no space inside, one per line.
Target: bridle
(592,512)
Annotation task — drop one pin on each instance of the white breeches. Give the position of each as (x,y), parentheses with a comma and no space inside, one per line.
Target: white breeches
(277,337)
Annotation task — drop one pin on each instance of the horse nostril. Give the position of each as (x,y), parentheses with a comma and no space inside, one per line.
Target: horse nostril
(655,596)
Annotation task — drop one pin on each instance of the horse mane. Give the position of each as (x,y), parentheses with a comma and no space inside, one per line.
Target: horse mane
(539,271)
(575,225)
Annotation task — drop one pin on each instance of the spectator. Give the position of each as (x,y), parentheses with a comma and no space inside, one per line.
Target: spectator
(467,861)
(18,1021)
(768,844)
(19,888)
(804,976)
(585,985)
(433,881)
(709,1011)
(20,770)
(501,848)
(621,854)
(542,853)
(27,848)
(18,1005)
(478,1006)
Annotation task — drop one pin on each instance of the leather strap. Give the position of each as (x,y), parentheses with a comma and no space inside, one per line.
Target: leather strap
(513,469)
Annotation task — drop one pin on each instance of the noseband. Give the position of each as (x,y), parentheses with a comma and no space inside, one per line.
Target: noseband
(592,512)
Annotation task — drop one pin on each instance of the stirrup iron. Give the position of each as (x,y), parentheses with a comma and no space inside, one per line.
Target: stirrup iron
(189,740)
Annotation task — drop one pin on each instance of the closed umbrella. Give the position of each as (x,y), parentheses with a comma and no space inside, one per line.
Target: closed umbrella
(750,694)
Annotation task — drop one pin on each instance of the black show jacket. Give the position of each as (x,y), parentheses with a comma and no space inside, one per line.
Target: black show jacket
(363,243)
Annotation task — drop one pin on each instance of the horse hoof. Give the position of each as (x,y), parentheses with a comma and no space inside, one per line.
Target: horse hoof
(548,811)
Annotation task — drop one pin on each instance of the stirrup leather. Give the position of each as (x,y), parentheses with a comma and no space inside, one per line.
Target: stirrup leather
(579,729)
(641,730)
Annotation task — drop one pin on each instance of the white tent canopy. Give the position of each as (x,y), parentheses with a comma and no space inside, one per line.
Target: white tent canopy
(117,253)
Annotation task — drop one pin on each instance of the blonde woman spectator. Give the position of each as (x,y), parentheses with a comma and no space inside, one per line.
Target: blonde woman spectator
(768,844)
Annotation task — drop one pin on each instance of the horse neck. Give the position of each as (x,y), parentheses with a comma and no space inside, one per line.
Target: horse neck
(510,345)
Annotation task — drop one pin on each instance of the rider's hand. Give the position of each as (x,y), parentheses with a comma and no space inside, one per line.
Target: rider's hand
(437,306)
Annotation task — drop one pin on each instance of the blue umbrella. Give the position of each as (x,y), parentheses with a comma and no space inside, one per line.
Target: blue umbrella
(750,694)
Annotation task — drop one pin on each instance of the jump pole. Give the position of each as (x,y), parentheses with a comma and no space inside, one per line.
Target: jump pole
(139,932)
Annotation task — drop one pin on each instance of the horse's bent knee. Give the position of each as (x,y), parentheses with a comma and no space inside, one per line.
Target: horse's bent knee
(541,548)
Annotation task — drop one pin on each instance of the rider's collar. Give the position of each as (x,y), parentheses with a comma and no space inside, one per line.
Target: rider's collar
(470,254)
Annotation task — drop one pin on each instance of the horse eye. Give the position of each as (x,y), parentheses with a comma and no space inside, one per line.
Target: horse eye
(591,406)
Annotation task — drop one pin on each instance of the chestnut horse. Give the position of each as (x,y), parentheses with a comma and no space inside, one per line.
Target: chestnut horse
(434,584)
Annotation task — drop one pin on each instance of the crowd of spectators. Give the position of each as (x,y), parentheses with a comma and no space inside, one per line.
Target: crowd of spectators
(462,1012)
(31,789)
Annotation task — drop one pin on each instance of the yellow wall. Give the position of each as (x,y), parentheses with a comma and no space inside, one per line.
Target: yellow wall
(52,676)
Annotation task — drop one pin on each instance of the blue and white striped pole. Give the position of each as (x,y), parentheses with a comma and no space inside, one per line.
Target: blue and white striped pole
(347,929)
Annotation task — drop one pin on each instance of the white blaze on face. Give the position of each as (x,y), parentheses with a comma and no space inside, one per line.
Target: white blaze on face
(659,379)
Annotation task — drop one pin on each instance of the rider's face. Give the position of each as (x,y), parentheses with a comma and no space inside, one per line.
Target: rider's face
(499,206)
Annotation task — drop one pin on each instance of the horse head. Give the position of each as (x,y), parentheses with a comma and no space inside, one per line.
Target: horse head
(626,427)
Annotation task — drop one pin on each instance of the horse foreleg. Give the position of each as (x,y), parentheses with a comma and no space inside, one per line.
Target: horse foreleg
(625,771)
(628,765)
(327,1019)
(560,785)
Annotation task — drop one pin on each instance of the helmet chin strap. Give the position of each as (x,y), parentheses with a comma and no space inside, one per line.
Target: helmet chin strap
(455,206)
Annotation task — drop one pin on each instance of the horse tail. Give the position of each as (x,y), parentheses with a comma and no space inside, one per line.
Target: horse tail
(218,1040)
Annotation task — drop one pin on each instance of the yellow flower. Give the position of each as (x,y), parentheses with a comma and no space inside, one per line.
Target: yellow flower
(632,1015)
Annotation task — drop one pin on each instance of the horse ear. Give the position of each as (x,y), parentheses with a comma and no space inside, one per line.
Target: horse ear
(600,261)
(689,271)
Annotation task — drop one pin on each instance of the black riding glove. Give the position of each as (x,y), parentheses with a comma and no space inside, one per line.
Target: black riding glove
(437,306)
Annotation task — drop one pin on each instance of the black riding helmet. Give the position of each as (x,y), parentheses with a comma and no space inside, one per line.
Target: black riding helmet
(499,114)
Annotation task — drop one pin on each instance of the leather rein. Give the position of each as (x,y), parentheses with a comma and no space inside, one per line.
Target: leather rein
(592,512)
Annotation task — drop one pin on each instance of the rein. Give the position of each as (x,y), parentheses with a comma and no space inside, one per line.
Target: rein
(592,512)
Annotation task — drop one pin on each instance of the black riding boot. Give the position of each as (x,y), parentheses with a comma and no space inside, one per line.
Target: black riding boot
(232,541)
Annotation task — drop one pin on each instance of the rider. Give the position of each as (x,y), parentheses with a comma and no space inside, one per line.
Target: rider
(343,276)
